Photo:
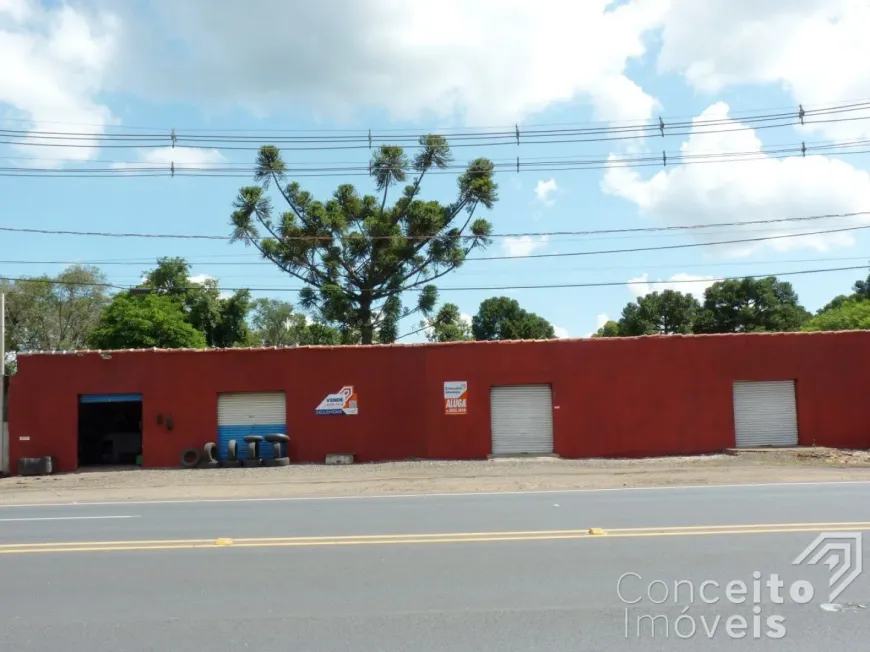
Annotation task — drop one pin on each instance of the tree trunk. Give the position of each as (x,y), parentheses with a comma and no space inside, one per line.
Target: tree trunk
(366,329)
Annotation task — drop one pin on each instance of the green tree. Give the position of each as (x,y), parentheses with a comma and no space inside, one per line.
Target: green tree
(862,288)
(610,329)
(355,253)
(502,318)
(659,313)
(316,334)
(852,314)
(53,313)
(222,320)
(860,291)
(276,323)
(836,302)
(144,322)
(751,305)
(447,325)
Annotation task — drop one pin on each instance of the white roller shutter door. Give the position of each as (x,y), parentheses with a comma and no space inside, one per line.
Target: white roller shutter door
(522,419)
(765,414)
(250,413)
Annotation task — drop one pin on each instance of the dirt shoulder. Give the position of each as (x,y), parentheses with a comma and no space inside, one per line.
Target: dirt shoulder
(797,465)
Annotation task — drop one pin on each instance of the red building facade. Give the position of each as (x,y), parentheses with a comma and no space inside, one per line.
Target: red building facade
(620,397)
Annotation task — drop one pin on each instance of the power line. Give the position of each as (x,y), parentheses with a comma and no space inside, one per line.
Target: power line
(419,330)
(557,286)
(663,160)
(561,271)
(266,263)
(359,164)
(490,139)
(688,245)
(598,252)
(167,129)
(645,229)
(368,139)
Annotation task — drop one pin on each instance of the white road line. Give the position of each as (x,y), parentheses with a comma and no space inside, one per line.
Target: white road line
(63,518)
(199,501)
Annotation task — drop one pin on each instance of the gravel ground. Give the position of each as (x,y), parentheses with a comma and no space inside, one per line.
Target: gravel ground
(746,467)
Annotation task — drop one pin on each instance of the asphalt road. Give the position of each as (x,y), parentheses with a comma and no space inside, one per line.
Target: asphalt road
(484,573)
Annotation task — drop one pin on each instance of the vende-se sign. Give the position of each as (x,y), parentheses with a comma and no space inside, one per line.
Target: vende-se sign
(456,397)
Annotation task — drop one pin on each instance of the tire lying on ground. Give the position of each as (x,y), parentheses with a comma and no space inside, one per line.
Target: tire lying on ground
(190,458)
(276,461)
(212,464)
(231,464)
(248,463)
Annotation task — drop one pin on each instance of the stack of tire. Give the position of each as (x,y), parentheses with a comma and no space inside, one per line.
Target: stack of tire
(253,443)
(208,458)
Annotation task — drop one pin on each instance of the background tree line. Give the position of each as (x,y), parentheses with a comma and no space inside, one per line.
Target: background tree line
(358,255)
(749,305)
(75,310)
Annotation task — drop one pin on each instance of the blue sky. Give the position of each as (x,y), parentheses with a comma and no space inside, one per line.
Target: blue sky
(94,67)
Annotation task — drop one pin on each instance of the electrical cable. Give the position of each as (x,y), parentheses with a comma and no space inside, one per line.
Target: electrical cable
(735,112)
(549,286)
(564,137)
(645,229)
(367,140)
(662,160)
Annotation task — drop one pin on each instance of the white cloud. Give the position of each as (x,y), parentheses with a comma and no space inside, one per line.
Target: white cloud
(185,156)
(54,63)
(523,245)
(815,49)
(16,10)
(561,333)
(201,278)
(748,190)
(466,318)
(685,283)
(545,190)
(419,60)
(163,157)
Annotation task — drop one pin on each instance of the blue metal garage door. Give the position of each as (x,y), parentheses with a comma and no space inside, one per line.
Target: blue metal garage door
(250,413)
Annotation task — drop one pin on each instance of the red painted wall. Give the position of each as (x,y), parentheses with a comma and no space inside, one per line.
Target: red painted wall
(612,397)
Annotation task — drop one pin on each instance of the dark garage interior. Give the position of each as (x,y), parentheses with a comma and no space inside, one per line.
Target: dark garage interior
(110,431)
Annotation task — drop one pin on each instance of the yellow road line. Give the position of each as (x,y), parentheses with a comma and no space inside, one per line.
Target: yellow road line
(456,537)
(392,537)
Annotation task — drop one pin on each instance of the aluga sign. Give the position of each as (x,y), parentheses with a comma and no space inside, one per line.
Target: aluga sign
(456,397)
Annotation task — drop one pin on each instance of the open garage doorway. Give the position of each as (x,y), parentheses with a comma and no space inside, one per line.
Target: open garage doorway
(110,430)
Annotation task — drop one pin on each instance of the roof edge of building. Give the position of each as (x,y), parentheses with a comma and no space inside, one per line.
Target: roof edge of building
(430,345)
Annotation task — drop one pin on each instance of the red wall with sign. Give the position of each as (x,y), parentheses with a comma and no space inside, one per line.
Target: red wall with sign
(668,395)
